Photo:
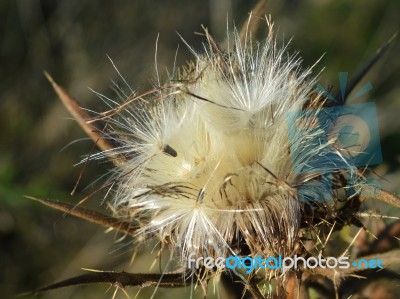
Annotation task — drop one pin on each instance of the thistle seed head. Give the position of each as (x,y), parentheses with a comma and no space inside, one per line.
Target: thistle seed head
(205,162)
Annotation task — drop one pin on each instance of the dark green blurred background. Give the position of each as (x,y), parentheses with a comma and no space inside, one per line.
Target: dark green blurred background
(71,40)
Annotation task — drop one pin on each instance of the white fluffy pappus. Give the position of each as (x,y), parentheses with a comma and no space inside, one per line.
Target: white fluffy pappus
(205,162)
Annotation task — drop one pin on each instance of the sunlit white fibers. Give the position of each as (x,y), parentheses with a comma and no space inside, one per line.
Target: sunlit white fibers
(207,163)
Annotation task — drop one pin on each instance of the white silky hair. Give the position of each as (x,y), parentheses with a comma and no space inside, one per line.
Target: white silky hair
(208,163)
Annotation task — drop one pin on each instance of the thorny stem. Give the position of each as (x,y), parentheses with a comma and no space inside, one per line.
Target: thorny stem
(122,280)
(89,215)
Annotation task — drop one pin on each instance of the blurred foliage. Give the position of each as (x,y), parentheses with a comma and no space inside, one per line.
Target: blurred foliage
(71,40)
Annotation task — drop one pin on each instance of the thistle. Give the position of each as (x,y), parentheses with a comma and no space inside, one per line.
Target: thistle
(211,164)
